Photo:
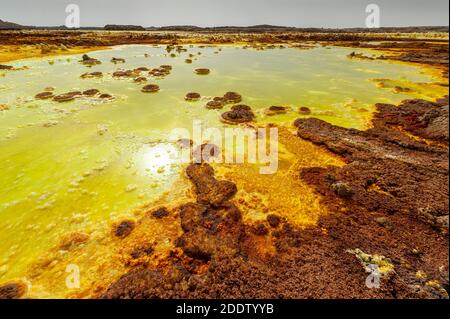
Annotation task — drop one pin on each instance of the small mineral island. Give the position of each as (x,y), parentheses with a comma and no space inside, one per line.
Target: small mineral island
(222,162)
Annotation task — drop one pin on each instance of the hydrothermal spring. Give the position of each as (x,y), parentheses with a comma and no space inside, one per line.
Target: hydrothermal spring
(82,165)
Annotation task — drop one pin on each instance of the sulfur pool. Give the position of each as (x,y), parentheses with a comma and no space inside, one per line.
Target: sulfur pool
(81,165)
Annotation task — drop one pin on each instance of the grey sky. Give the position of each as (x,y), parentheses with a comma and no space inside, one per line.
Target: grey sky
(300,13)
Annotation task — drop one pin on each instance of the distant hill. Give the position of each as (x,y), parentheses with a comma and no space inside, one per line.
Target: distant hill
(5,25)
(114,27)
(274,28)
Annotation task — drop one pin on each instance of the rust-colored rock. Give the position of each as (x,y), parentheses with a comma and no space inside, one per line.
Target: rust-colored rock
(117,60)
(304,110)
(124,228)
(214,105)
(202,71)
(205,152)
(92,75)
(166,67)
(44,95)
(123,73)
(192,96)
(207,188)
(142,251)
(88,61)
(91,92)
(6,67)
(232,97)
(260,230)
(342,189)
(160,213)
(239,114)
(273,220)
(275,110)
(140,79)
(72,240)
(12,291)
(66,97)
(150,88)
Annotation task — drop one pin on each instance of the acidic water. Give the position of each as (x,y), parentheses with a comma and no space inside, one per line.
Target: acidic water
(83,164)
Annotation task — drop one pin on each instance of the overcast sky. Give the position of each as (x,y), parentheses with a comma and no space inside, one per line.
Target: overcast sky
(299,13)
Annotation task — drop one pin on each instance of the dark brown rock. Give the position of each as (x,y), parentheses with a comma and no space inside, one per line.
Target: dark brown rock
(232,97)
(92,75)
(150,88)
(275,109)
(91,92)
(260,230)
(207,188)
(44,95)
(142,251)
(192,96)
(123,73)
(117,60)
(205,152)
(238,116)
(304,110)
(140,79)
(160,213)
(202,71)
(12,291)
(124,228)
(212,105)
(67,96)
(105,96)
(342,189)
(273,220)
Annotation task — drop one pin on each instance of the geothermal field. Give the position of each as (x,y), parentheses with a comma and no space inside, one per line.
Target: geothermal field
(93,184)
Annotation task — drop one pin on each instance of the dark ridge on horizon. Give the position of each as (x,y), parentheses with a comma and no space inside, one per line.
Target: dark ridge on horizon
(5,25)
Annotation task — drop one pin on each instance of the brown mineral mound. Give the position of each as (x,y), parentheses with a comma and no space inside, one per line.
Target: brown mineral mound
(275,109)
(140,79)
(67,96)
(12,291)
(214,105)
(91,92)
(44,95)
(202,71)
(117,60)
(88,61)
(91,75)
(150,88)
(6,67)
(232,97)
(239,114)
(124,73)
(399,165)
(192,96)
(212,226)
(304,110)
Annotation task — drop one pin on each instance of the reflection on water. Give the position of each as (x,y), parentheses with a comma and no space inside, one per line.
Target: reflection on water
(81,165)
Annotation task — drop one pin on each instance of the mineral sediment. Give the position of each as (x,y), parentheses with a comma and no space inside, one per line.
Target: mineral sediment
(202,71)
(150,88)
(192,96)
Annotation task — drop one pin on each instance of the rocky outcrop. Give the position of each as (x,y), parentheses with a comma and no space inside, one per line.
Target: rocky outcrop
(399,165)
